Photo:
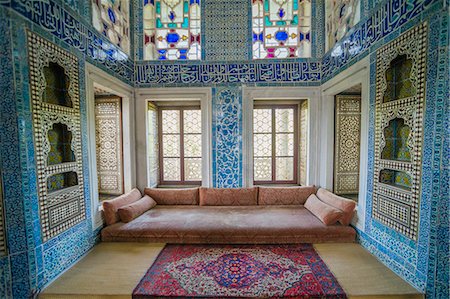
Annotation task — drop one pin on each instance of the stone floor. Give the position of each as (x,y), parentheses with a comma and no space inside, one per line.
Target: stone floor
(112,270)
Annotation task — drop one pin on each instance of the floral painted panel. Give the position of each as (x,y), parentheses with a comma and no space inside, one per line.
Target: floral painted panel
(281,28)
(172,29)
(341,16)
(112,19)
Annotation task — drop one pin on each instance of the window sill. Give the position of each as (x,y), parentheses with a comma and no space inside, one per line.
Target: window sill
(176,186)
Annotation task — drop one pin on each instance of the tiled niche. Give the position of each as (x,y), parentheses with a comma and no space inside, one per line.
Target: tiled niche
(399,108)
(57,133)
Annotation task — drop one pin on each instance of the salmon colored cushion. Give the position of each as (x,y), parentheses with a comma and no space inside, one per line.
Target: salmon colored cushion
(326,213)
(136,209)
(284,195)
(345,205)
(186,196)
(229,196)
(111,206)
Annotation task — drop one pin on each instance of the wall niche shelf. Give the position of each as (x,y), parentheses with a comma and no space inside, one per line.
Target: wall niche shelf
(61,181)
(60,140)
(398,79)
(399,105)
(57,85)
(396,178)
(54,81)
(396,136)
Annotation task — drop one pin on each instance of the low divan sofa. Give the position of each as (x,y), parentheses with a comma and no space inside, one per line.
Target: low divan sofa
(270,215)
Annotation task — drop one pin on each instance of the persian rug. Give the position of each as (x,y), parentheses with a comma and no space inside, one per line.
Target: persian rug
(238,271)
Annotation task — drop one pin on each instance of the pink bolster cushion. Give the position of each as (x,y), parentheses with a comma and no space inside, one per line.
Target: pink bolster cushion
(284,195)
(186,196)
(345,205)
(327,214)
(136,209)
(111,206)
(229,196)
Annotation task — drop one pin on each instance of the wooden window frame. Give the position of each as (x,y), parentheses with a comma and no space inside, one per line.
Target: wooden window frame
(273,133)
(182,180)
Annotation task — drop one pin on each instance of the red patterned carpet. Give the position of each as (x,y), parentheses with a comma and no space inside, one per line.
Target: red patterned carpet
(239,271)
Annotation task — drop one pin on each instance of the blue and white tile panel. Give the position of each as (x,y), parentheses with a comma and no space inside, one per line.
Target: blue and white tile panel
(227,137)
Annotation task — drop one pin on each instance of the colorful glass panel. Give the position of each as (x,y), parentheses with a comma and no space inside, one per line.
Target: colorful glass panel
(112,19)
(281,28)
(341,16)
(172,30)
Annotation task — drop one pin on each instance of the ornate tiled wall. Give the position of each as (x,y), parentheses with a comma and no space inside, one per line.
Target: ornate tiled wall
(424,263)
(340,17)
(34,263)
(67,23)
(112,19)
(419,261)
(57,19)
(386,18)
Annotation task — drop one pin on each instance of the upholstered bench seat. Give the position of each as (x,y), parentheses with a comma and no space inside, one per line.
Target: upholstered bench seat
(228,224)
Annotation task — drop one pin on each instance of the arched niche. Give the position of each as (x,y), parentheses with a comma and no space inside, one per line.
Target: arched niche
(57,86)
(61,181)
(398,79)
(60,140)
(396,136)
(396,178)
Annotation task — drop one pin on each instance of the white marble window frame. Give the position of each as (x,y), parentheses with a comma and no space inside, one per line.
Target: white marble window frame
(97,77)
(172,95)
(276,96)
(359,73)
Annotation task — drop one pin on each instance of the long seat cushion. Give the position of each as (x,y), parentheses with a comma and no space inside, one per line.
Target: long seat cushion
(225,224)
(284,195)
(229,196)
(185,196)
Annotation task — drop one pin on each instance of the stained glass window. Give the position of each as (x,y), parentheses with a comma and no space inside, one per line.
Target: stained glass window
(112,19)
(281,28)
(341,16)
(172,30)
(275,144)
(180,145)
